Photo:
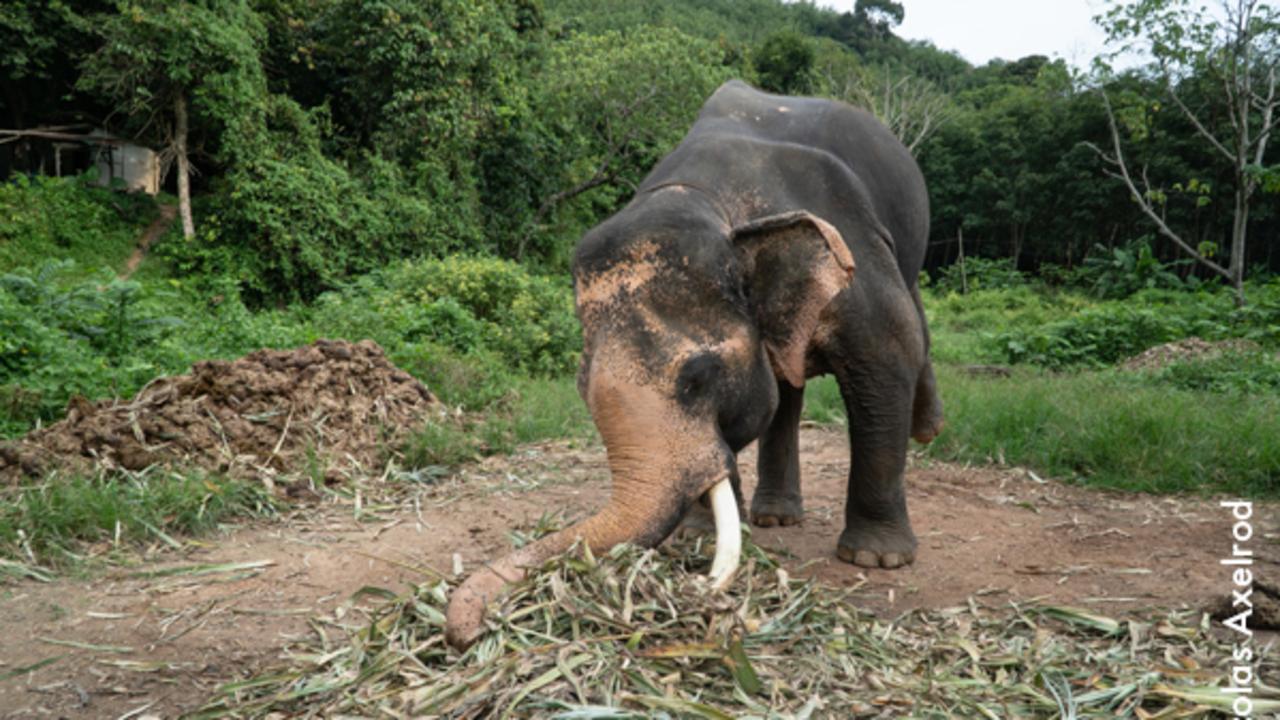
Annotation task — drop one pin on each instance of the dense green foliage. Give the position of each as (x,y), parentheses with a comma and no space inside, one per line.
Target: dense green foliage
(464,325)
(1108,333)
(331,137)
(45,217)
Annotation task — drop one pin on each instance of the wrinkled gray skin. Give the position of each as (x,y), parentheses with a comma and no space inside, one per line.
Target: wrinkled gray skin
(709,299)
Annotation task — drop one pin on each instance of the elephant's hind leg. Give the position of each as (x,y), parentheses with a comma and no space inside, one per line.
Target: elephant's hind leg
(777,497)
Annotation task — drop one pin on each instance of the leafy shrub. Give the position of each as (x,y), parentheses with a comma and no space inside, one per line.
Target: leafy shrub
(64,334)
(60,338)
(465,326)
(468,304)
(1122,271)
(1109,332)
(784,63)
(46,217)
(964,327)
(291,229)
(1255,372)
(1097,337)
(980,274)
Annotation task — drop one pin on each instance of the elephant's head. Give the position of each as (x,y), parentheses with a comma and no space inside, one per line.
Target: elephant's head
(687,323)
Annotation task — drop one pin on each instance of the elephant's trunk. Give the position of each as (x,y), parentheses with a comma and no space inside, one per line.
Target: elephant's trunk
(661,463)
(622,520)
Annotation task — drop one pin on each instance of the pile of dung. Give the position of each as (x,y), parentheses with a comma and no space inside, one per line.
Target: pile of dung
(1192,348)
(634,635)
(327,406)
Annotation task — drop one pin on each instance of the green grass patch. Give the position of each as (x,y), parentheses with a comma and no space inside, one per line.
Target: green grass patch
(822,402)
(1115,431)
(533,410)
(51,523)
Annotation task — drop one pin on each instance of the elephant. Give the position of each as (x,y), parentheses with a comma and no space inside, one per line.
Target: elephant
(709,299)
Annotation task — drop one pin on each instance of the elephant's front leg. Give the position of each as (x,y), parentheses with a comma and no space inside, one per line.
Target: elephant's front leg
(777,497)
(877,531)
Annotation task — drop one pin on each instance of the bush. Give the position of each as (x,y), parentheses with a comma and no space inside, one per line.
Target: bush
(64,334)
(61,337)
(471,305)
(1110,332)
(465,326)
(1244,373)
(965,327)
(1122,271)
(45,217)
(979,274)
(784,63)
(290,230)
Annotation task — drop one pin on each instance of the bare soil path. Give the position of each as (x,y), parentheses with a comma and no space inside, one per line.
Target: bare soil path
(159,645)
(149,236)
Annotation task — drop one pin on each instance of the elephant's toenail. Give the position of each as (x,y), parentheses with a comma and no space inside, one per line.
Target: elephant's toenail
(890,560)
(866,559)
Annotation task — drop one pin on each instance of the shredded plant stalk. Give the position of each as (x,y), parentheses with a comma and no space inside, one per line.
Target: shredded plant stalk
(638,634)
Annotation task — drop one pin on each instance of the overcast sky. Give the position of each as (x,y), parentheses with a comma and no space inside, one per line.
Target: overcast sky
(984,29)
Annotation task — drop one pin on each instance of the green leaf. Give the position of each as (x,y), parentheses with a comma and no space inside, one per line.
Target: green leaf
(740,667)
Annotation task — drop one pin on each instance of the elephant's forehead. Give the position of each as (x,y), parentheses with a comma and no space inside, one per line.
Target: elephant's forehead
(620,282)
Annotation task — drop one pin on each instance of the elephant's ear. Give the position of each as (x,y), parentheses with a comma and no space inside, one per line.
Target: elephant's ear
(794,264)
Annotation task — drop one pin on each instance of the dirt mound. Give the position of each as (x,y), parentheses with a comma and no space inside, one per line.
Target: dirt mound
(330,404)
(1192,348)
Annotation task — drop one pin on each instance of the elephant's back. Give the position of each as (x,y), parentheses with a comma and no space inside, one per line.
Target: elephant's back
(889,174)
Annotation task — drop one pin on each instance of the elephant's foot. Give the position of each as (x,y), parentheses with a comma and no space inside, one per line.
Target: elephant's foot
(878,544)
(771,511)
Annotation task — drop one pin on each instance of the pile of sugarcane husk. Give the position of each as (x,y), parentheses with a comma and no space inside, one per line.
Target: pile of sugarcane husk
(638,634)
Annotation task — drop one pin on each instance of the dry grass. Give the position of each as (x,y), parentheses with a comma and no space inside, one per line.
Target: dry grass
(635,634)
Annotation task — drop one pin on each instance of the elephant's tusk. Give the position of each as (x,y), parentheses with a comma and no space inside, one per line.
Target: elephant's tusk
(728,535)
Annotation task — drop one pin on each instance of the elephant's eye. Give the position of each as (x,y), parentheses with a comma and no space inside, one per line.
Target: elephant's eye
(697,376)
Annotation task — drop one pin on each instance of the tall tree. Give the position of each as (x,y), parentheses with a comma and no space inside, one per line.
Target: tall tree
(40,44)
(178,69)
(912,107)
(1212,65)
(784,62)
(612,105)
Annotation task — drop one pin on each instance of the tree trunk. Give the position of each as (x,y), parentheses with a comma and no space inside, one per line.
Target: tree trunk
(184,165)
(1239,229)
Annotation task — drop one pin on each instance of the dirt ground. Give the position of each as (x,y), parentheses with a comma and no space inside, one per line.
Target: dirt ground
(126,644)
